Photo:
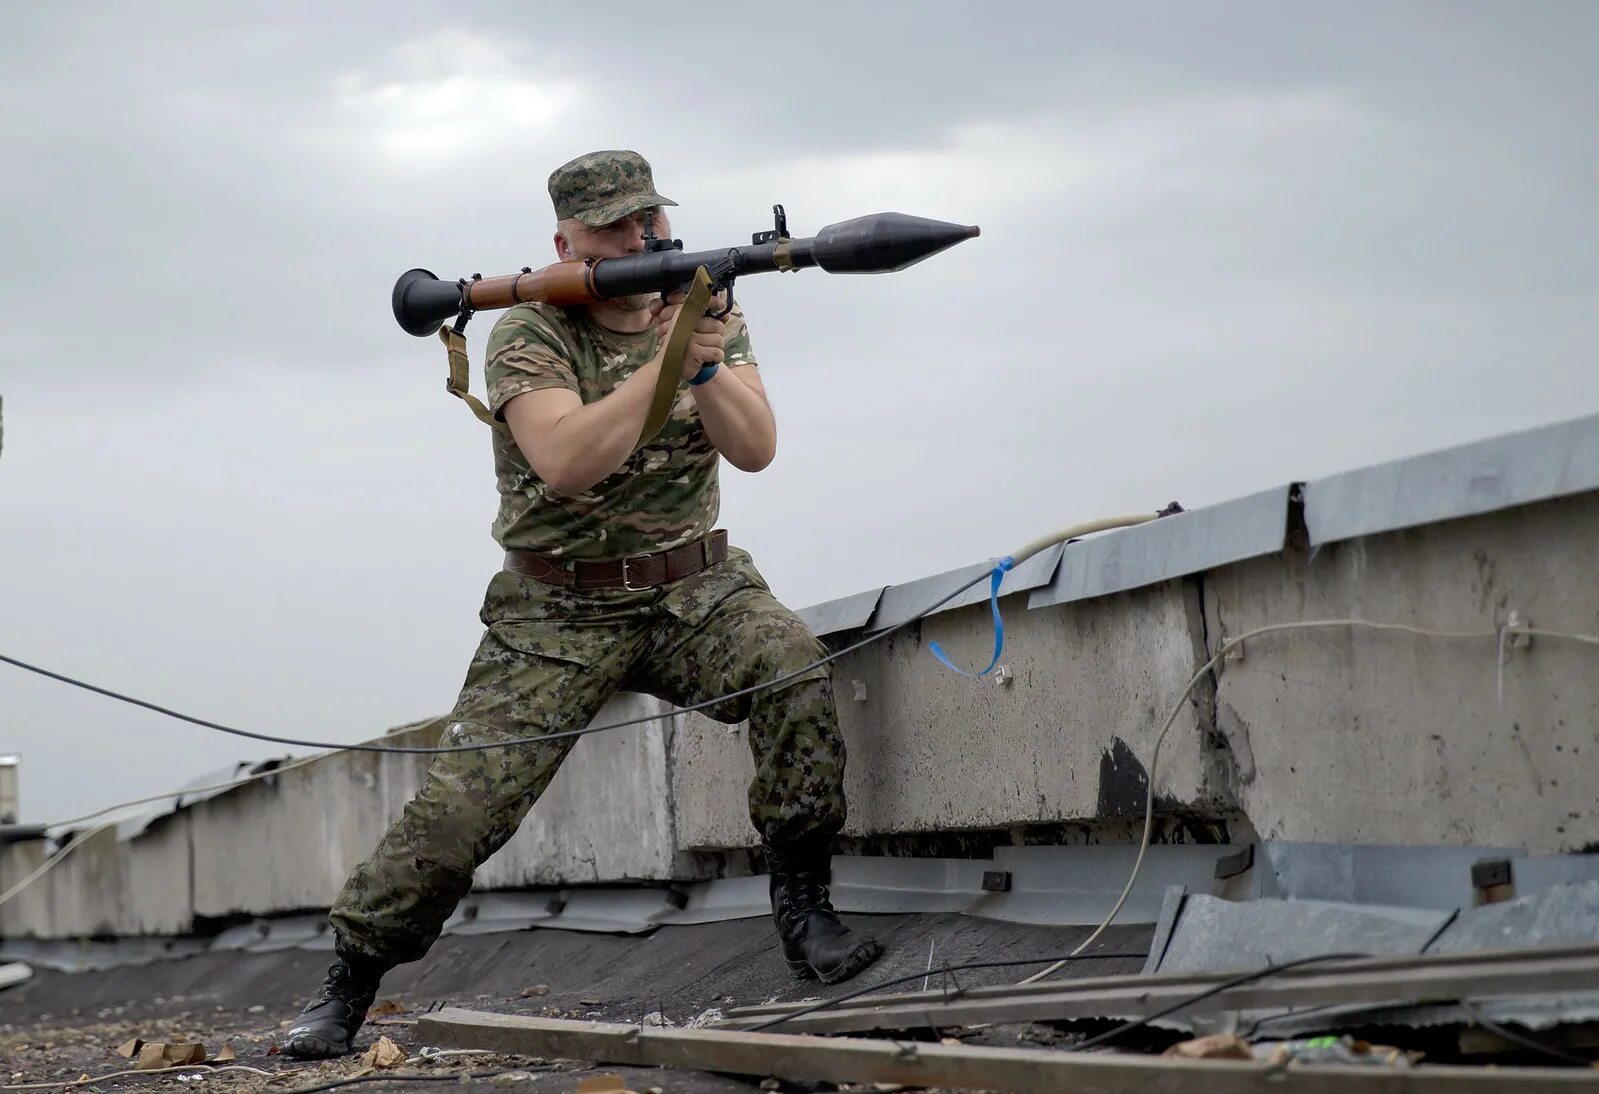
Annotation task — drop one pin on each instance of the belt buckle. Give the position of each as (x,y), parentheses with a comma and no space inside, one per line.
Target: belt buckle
(627,582)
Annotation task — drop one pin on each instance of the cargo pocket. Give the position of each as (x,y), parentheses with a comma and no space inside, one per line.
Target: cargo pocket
(558,640)
(533,677)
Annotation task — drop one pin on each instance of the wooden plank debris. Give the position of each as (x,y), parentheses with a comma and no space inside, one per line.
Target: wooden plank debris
(1374,982)
(965,1067)
(1485,959)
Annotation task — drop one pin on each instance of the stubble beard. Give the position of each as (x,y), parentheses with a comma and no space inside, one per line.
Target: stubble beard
(633,303)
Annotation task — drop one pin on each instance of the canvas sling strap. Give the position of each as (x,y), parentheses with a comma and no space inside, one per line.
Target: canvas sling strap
(667,382)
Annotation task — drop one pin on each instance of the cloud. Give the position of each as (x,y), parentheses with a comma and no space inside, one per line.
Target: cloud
(1221,248)
(1050,175)
(445,104)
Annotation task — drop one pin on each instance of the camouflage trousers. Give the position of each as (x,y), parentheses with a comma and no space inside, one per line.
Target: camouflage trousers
(550,657)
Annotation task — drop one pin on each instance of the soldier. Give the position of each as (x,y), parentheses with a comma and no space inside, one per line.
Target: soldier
(615,578)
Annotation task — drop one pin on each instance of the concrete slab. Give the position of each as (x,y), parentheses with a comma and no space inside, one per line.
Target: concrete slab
(1359,736)
(606,815)
(105,887)
(1065,739)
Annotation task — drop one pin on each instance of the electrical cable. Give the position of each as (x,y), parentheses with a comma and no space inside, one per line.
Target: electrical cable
(203,1069)
(83,837)
(1144,841)
(1072,532)
(49,864)
(1027,551)
(1204,670)
(830,1004)
(456,1077)
(149,1072)
(1237,981)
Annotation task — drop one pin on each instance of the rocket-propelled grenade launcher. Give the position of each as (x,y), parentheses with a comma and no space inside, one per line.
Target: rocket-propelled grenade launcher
(879,243)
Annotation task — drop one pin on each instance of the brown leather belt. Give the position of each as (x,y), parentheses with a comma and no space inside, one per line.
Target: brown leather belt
(636,572)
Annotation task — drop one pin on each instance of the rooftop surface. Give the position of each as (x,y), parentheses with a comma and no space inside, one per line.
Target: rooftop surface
(1406,797)
(60,1026)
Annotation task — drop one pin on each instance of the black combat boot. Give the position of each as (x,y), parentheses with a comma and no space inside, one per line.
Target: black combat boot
(815,943)
(327,1025)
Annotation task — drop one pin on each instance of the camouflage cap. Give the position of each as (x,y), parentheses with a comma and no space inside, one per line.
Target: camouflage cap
(601,187)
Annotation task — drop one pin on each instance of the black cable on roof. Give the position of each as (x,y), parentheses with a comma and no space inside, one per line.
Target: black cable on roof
(512,742)
(828,1004)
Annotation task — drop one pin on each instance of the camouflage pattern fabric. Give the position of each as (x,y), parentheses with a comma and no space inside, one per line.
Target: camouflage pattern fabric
(600,187)
(548,661)
(666,493)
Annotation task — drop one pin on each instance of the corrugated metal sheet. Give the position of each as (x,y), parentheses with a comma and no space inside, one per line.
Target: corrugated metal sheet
(1214,935)
(1218,935)
(1564,915)
(1171,547)
(1532,1012)
(1535,465)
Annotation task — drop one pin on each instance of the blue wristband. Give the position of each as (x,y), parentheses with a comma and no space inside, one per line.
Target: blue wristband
(705,373)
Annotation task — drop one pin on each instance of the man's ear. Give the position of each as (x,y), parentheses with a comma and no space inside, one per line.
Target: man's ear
(563,246)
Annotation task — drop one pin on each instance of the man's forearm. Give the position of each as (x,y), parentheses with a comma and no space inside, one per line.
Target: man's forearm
(737,419)
(591,442)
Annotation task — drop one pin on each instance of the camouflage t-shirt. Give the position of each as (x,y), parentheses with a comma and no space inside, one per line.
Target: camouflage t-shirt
(665,494)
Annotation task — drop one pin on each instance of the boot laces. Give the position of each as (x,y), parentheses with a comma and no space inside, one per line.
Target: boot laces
(804,894)
(344,985)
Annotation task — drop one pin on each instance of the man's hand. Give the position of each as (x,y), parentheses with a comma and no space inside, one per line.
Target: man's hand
(732,404)
(706,342)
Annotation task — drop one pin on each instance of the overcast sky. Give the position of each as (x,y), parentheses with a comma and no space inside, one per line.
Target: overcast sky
(1225,246)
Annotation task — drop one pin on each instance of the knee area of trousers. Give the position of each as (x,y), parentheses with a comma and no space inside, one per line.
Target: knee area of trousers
(448,835)
(795,650)
(463,731)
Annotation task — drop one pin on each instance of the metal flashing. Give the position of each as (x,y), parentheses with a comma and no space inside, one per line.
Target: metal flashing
(722,900)
(133,826)
(846,613)
(490,913)
(1413,877)
(92,955)
(1467,480)
(902,886)
(136,825)
(1078,886)
(1031,573)
(305,932)
(613,911)
(1171,909)
(902,603)
(1213,935)
(1562,915)
(1170,547)
(1046,885)
(301,932)
(1540,873)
